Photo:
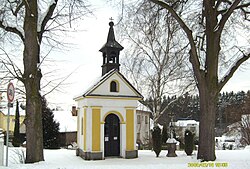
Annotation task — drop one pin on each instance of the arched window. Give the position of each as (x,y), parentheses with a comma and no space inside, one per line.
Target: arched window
(114,86)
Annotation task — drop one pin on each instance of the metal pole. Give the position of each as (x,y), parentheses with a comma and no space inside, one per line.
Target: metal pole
(7,134)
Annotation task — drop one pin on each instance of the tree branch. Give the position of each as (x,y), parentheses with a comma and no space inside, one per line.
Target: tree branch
(193,53)
(233,69)
(47,17)
(225,17)
(19,6)
(16,73)
(12,30)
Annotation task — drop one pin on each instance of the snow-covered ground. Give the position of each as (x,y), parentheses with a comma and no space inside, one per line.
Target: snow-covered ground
(66,159)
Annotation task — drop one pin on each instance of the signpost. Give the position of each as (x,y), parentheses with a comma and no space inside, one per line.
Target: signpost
(10,96)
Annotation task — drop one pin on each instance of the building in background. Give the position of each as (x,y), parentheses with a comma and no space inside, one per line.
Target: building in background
(181,125)
(142,128)
(4,115)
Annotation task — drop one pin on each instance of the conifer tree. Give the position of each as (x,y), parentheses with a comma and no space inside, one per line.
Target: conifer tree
(50,127)
(16,139)
(157,140)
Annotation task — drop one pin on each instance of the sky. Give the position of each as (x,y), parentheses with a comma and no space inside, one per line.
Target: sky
(85,60)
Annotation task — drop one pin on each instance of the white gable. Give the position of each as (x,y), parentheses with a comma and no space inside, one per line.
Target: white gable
(124,89)
(103,84)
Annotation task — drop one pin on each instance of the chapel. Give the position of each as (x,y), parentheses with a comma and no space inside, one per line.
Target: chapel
(106,112)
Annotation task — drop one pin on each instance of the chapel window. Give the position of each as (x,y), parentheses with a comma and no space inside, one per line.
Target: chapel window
(113,86)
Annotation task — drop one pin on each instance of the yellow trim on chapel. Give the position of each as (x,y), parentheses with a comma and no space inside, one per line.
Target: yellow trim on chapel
(84,128)
(78,130)
(116,113)
(96,107)
(96,128)
(130,107)
(129,129)
(113,98)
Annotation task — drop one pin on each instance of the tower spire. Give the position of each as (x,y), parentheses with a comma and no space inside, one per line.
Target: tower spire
(110,51)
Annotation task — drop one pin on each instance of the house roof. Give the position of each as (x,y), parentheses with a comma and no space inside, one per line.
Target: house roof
(67,122)
(101,80)
(184,123)
(4,109)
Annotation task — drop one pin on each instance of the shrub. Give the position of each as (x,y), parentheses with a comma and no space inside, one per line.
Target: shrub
(189,142)
(157,140)
(50,127)
(17,138)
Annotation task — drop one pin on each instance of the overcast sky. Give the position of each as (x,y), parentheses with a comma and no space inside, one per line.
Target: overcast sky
(86,60)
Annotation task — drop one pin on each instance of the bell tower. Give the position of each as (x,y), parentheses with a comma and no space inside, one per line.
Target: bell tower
(110,52)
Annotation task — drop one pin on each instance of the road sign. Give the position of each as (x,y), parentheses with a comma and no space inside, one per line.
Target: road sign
(10,92)
(10,96)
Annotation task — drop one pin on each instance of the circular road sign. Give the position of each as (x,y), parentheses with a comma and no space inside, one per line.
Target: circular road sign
(10,92)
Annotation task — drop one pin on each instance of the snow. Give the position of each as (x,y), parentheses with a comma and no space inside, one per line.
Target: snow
(66,159)
(184,123)
(247,148)
(171,140)
(95,83)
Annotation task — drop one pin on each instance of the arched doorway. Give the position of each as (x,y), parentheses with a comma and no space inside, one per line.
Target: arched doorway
(112,136)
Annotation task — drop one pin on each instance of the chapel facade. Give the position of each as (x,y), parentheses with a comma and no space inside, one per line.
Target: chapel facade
(106,118)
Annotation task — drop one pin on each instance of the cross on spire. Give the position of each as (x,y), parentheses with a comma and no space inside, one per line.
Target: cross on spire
(111,19)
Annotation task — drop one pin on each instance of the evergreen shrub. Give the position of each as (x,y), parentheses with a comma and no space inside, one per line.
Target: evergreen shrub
(50,127)
(157,140)
(189,142)
(16,142)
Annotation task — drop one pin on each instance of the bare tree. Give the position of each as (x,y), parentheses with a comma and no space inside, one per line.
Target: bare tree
(211,27)
(156,59)
(35,24)
(245,130)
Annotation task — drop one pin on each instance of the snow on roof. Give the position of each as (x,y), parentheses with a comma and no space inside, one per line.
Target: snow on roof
(68,123)
(184,123)
(142,107)
(94,84)
(4,109)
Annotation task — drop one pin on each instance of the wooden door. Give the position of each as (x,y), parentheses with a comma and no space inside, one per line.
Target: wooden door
(112,136)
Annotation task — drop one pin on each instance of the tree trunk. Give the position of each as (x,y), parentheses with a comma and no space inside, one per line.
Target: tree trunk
(208,87)
(32,76)
(34,134)
(208,106)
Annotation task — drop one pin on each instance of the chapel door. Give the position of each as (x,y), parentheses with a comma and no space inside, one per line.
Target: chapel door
(112,136)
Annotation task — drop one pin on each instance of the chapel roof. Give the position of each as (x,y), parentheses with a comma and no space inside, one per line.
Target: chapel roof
(111,42)
(102,79)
